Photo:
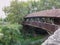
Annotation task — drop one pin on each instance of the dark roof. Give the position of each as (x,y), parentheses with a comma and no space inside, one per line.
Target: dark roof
(45,13)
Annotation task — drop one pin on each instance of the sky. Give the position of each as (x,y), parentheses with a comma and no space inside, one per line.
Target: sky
(3,3)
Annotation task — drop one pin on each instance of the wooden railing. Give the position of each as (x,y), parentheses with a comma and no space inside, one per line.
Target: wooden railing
(45,26)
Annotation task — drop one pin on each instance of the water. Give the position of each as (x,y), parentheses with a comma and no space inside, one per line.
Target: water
(53,39)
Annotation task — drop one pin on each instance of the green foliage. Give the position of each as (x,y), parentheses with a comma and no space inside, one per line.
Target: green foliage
(33,41)
(10,34)
(16,11)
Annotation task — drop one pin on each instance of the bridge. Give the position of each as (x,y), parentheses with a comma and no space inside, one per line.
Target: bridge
(50,28)
(46,19)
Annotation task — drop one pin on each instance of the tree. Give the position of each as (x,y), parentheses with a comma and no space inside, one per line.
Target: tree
(16,11)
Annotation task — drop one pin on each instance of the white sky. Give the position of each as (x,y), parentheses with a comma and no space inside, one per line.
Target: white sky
(4,3)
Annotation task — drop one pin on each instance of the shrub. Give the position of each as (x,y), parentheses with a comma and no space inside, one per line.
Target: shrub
(10,34)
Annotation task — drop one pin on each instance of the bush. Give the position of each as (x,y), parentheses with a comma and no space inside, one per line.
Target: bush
(10,34)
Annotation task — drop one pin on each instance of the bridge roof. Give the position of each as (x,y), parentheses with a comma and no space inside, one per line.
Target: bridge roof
(45,13)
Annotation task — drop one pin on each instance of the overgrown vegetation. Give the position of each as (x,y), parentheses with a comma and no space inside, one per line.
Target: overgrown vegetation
(11,27)
(10,34)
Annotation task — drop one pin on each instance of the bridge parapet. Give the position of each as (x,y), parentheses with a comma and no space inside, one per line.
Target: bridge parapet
(46,26)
